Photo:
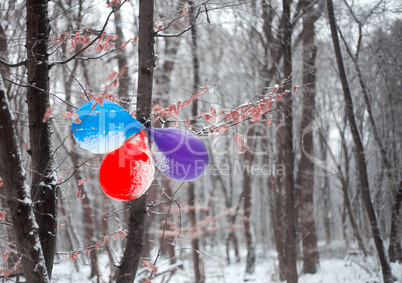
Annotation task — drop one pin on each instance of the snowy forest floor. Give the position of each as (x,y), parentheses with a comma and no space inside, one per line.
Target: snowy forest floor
(336,265)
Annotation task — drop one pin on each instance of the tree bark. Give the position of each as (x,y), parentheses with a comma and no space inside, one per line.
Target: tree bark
(4,70)
(326,195)
(277,212)
(287,148)
(18,198)
(394,250)
(5,73)
(360,155)
(146,59)
(247,206)
(270,72)
(230,234)
(198,272)
(306,167)
(44,180)
(124,80)
(345,181)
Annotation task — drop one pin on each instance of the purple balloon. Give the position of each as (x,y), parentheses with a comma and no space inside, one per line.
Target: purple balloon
(179,154)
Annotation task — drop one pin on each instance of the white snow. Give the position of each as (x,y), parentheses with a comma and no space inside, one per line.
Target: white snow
(27,200)
(351,269)
(37,246)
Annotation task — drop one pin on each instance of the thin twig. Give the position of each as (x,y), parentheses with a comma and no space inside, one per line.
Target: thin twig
(90,44)
(164,227)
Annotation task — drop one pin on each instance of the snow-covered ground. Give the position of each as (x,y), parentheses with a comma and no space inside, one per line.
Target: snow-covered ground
(350,268)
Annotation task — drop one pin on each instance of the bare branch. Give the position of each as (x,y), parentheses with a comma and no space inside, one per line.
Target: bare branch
(206,10)
(33,86)
(91,43)
(22,63)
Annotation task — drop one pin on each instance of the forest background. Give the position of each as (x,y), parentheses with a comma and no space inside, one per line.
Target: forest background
(297,102)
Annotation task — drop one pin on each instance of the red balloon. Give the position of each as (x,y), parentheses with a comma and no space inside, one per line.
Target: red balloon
(127,172)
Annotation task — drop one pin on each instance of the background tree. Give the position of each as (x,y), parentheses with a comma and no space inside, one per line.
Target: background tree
(306,168)
(44,180)
(361,160)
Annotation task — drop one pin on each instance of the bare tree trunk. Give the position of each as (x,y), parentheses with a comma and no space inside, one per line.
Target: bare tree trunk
(18,198)
(306,167)
(230,235)
(164,72)
(270,70)
(360,155)
(167,245)
(395,250)
(124,80)
(138,209)
(247,206)
(4,70)
(343,212)
(287,148)
(345,181)
(198,272)
(326,195)
(44,180)
(5,73)
(348,207)
(72,240)
(277,212)
(105,229)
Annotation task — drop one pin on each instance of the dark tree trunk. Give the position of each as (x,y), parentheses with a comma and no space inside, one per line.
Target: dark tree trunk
(230,235)
(306,167)
(250,261)
(105,230)
(198,272)
(287,148)
(5,74)
(138,209)
(73,242)
(270,72)
(44,180)
(277,212)
(18,198)
(167,245)
(395,251)
(345,181)
(326,195)
(164,72)
(4,70)
(124,80)
(247,206)
(348,209)
(360,155)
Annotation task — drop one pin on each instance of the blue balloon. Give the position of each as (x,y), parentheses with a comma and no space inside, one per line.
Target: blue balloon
(104,128)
